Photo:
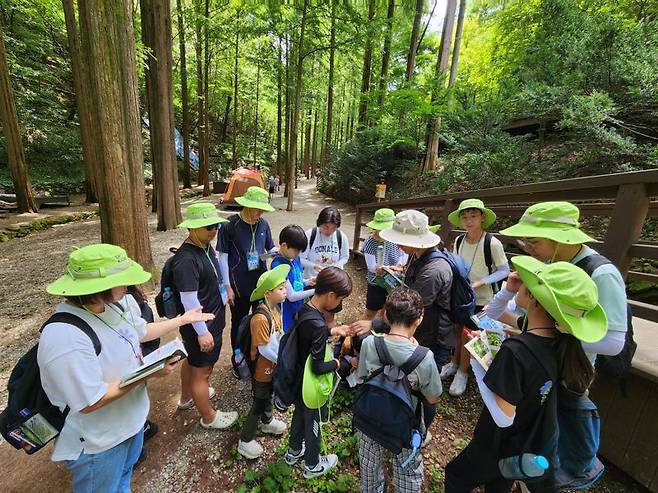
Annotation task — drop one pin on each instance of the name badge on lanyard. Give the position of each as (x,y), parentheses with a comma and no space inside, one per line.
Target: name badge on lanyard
(253,260)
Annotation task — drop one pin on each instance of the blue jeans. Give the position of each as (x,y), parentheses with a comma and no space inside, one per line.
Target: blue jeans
(109,471)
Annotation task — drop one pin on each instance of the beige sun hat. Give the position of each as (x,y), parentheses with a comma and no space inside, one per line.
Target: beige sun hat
(411,228)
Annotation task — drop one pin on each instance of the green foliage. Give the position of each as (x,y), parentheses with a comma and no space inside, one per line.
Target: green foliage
(276,478)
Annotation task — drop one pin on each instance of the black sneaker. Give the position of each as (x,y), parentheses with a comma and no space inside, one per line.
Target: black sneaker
(279,406)
(150,429)
(291,457)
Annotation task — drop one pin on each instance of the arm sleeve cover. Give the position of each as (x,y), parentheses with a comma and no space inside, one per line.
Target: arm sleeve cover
(498,304)
(297,295)
(610,345)
(501,419)
(501,272)
(223,268)
(190,300)
(371,262)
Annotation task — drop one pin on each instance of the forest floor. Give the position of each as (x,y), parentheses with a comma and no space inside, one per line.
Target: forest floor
(183,457)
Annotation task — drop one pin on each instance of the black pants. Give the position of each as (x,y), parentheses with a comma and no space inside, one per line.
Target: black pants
(476,465)
(306,426)
(261,409)
(442,355)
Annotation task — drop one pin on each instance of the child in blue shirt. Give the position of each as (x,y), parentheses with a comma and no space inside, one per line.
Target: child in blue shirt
(293,241)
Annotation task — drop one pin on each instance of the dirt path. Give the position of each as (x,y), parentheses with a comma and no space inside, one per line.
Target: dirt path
(28,264)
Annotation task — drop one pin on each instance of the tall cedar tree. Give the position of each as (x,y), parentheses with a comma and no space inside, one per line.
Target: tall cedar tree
(298,104)
(367,68)
(115,113)
(386,54)
(202,176)
(185,97)
(157,37)
(431,158)
(15,153)
(458,41)
(330,87)
(234,159)
(81,101)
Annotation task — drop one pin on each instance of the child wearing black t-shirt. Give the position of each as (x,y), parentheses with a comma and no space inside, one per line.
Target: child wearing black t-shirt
(525,372)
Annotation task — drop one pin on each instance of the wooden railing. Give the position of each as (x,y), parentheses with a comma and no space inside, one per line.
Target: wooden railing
(625,198)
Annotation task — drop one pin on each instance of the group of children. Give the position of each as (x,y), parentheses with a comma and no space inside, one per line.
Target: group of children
(407,339)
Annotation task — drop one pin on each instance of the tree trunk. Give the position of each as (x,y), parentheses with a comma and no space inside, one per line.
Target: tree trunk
(279,108)
(307,145)
(287,117)
(184,96)
(411,54)
(458,41)
(298,104)
(81,100)
(330,88)
(206,78)
(367,68)
(257,96)
(386,54)
(202,176)
(314,146)
(106,34)
(234,153)
(431,158)
(157,36)
(227,115)
(15,153)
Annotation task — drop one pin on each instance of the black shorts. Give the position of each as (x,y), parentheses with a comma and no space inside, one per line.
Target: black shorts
(196,357)
(375,297)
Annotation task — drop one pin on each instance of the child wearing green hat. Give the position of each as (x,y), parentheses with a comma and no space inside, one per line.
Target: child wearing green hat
(240,244)
(198,279)
(562,310)
(379,253)
(103,432)
(488,267)
(265,336)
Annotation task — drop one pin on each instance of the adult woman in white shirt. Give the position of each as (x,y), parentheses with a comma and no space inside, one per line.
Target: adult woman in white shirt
(102,436)
(327,245)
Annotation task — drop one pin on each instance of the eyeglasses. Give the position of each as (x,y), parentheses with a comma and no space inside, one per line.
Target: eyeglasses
(212,227)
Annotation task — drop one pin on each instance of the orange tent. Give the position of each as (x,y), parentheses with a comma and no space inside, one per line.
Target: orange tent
(241,179)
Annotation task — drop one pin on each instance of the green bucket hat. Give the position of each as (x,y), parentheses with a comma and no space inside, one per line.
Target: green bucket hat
(489,215)
(255,198)
(96,268)
(201,214)
(557,221)
(316,389)
(384,219)
(567,293)
(435,228)
(269,280)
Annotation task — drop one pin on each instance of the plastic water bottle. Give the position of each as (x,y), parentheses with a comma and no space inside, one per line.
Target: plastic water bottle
(380,255)
(169,303)
(241,365)
(533,466)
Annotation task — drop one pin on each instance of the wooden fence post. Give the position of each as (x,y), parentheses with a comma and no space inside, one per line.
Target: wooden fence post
(631,208)
(446,226)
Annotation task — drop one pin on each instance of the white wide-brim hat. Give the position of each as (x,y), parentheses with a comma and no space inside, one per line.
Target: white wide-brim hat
(411,228)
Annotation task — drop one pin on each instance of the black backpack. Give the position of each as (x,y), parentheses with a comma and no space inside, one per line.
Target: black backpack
(618,365)
(488,257)
(243,335)
(339,238)
(287,378)
(462,296)
(383,409)
(30,419)
(166,282)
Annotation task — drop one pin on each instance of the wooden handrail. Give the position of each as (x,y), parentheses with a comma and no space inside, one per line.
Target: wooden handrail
(623,197)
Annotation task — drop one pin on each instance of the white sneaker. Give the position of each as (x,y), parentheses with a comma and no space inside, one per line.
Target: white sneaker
(250,450)
(189,404)
(427,439)
(458,385)
(274,427)
(448,370)
(222,420)
(324,465)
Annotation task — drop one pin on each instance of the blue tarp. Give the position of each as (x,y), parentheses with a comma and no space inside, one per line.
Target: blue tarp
(178,140)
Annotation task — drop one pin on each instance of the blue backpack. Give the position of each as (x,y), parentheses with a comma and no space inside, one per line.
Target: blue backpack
(462,296)
(383,409)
